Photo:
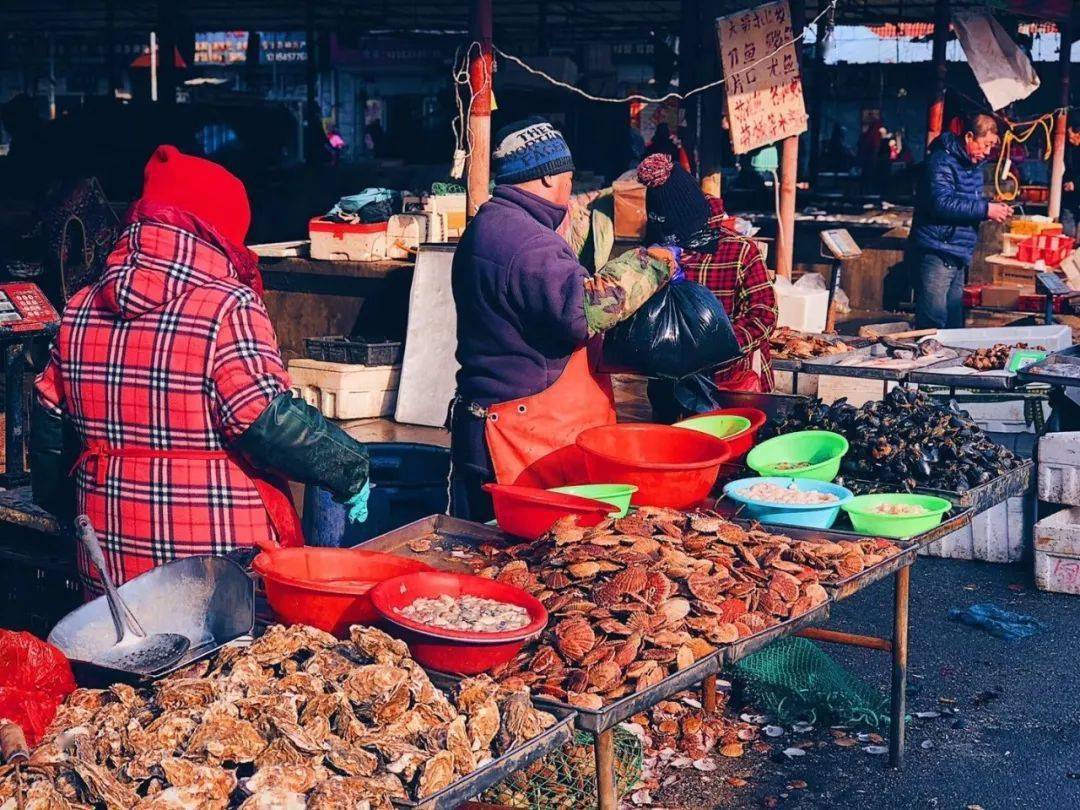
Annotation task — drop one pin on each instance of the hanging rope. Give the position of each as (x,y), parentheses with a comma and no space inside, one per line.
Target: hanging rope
(517,60)
(1003,172)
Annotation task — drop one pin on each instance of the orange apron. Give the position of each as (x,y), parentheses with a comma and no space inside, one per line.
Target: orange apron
(273,490)
(531,439)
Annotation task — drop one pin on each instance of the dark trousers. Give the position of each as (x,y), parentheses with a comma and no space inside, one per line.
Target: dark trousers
(468,500)
(939,290)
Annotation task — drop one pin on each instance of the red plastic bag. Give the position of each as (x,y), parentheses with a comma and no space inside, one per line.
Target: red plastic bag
(34,678)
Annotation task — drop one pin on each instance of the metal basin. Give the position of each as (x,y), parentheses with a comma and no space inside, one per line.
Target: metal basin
(208,599)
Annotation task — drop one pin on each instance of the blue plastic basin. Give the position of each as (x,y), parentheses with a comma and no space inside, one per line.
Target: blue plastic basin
(808,516)
(408,483)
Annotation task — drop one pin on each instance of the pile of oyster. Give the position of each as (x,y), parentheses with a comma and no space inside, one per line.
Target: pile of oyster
(905,440)
(297,719)
(634,599)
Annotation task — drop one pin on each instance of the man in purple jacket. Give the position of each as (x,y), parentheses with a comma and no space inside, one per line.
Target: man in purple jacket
(526,310)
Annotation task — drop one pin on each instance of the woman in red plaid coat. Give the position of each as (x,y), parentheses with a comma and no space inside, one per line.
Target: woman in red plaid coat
(729,265)
(167,372)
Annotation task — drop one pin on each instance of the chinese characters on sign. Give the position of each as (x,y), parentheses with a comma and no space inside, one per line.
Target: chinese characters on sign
(762,84)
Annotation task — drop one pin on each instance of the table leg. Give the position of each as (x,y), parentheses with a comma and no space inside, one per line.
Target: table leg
(708,694)
(605,770)
(898,703)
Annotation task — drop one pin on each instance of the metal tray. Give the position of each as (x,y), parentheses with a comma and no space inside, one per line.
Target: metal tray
(796,363)
(744,646)
(211,615)
(1044,372)
(832,366)
(1015,482)
(596,721)
(498,770)
(938,374)
(959,517)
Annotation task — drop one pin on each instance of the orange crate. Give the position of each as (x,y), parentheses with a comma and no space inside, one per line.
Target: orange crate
(1051,248)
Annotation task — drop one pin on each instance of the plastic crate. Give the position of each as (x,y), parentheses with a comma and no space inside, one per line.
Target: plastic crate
(340,349)
(1037,303)
(1049,248)
(973,295)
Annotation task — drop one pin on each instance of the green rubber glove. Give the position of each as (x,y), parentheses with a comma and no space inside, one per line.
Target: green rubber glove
(358,503)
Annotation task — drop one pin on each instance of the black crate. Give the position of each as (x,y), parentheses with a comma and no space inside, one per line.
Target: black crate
(340,349)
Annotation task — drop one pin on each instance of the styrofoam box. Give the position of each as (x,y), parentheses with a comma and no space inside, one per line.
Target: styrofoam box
(1051,338)
(1057,552)
(1059,468)
(345,390)
(345,241)
(802,310)
(856,389)
(997,534)
(784,383)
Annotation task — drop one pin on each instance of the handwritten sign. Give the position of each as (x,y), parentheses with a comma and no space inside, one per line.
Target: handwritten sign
(761,76)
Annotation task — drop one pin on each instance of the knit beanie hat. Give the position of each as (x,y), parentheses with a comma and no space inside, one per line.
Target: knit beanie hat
(200,187)
(677,209)
(528,150)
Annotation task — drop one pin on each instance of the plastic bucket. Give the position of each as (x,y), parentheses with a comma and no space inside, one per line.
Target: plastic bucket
(529,512)
(820,450)
(807,515)
(409,483)
(865,520)
(740,443)
(618,495)
(456,651)
(328,588)
(670,466)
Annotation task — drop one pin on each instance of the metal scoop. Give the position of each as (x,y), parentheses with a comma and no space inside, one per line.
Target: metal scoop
(135,651)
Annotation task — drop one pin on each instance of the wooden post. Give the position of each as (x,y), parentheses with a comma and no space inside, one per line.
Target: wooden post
(604,750)
(708,694)
(1057,166)
(789,168)
(898,698)
(935,121)
(478,170)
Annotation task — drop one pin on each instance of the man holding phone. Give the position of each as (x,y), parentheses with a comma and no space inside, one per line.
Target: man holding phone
(949,207)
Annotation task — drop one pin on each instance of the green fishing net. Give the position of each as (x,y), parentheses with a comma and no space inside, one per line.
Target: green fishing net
(567,778)
(792,679)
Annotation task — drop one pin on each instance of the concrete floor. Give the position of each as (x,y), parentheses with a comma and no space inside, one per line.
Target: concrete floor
(1014,742)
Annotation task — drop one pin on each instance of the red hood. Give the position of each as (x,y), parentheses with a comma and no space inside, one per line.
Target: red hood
(169,254)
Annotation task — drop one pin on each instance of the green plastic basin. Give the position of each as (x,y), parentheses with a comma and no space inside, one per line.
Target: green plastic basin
(820,449)
(722,427)
(866,521)
(618,495)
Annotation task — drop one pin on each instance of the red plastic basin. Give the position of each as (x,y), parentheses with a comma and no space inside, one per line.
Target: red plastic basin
(528,512)
(328,588)
(455,651)
(742,443)
(670,466)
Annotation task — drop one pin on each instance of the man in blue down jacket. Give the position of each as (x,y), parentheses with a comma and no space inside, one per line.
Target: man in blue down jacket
(948,209)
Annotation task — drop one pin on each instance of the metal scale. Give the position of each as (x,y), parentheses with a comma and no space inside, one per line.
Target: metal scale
(837,245)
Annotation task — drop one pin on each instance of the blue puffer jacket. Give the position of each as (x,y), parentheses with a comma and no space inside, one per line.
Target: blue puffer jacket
(949,204)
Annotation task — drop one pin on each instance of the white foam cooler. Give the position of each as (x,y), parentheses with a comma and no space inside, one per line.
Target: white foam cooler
(347,241)
(1057,552)
(345,390)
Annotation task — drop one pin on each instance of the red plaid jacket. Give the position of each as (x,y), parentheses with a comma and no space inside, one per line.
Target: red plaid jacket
(736,274)
(168,351)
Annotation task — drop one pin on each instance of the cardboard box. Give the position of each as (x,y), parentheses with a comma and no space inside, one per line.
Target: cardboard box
(1002,296)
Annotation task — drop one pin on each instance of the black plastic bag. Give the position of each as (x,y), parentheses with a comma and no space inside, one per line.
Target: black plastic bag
(681,330)
(673,400)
